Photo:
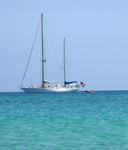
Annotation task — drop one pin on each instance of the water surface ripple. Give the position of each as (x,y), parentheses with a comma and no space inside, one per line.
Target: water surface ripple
(73,121)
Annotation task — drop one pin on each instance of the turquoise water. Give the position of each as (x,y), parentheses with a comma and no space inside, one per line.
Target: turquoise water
(78,121)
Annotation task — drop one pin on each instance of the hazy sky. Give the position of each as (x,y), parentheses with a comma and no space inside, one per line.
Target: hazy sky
(96,34)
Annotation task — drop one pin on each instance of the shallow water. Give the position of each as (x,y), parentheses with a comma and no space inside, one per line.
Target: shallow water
(73,121)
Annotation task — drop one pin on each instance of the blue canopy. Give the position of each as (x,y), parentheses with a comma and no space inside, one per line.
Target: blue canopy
(70,82)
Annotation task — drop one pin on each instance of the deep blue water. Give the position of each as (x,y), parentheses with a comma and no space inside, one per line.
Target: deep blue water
(76,121)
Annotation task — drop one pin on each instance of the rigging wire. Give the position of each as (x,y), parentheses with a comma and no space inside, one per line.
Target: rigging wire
(32,48)
(55,52)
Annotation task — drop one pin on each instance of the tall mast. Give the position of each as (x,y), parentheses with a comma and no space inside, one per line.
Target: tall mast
(64,60)
(42,40)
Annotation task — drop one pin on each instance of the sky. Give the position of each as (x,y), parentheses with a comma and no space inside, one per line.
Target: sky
(96,33)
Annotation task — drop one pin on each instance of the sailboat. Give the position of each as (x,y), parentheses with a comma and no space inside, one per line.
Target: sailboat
(51,86)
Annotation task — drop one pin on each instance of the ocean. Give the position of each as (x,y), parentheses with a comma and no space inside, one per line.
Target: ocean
(64,121)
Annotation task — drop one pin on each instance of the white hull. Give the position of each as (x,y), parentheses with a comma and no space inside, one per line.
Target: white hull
(43,90)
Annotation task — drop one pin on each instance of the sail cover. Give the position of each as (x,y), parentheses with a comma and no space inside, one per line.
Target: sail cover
(71,82)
